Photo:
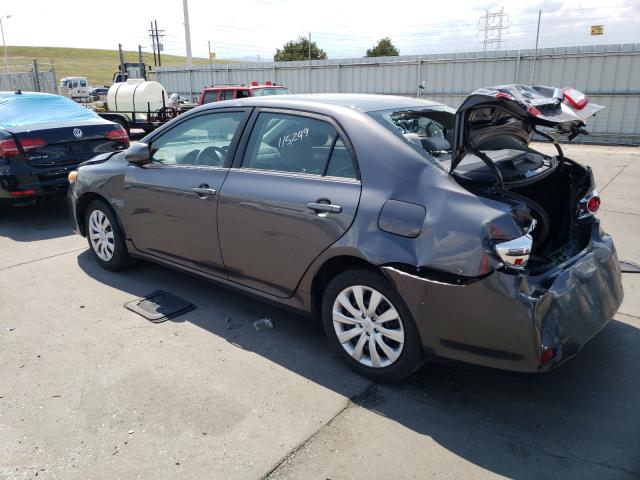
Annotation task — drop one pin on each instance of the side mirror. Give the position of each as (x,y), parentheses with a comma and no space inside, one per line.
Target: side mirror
(138,154)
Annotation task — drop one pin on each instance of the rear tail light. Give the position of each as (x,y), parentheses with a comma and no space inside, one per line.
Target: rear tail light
(22,193)
(118,135)
(589,204)
(10,148)
(531,110)
(515,253)
(575,98)
(548,353)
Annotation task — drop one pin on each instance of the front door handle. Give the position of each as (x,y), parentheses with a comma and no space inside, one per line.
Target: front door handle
(324,207)
(203,192)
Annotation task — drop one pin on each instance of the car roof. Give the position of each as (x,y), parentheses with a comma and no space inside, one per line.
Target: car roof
(236,87)
(356,101)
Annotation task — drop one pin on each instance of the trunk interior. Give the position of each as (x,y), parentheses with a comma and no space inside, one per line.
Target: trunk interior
(553,202)
(551,189)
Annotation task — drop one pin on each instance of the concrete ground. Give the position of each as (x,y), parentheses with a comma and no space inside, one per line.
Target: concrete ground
(89,390)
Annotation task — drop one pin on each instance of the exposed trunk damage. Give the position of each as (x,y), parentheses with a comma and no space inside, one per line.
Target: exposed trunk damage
(518,317)
(491,157)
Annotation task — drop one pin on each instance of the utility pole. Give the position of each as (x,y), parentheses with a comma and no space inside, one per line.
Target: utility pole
(210,62)
(158,46)
(155,38)
(36,74)
(143,71)
(187,33)
(121,62)
(153,45)
(309,83)
(535,52)
(4,45)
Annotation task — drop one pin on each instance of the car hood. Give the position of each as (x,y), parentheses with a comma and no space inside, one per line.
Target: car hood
(515,111)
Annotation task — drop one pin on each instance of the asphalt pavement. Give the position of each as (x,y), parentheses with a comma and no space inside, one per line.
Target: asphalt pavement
(90,390)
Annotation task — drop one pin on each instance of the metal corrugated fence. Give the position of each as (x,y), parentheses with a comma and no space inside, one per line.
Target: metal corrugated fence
(609,74)
(26,81)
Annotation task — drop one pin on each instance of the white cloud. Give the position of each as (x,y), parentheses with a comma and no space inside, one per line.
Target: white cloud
(343,29)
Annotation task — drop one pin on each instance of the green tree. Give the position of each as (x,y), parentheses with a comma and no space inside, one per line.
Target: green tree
(384,48)
(299,50)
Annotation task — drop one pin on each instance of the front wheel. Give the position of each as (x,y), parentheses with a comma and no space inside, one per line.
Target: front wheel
(105,238)
(368,323)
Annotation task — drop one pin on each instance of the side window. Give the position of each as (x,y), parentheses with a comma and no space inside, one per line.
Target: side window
(83,83)
(242,94)
(340,163)
(209,97)
(289,143)
(226,94)
(200,141)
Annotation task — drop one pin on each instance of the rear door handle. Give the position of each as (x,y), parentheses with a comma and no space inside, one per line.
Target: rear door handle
(324,207)
(203,191)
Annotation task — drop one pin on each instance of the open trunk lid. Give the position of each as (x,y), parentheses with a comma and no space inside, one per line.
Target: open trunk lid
(511,113)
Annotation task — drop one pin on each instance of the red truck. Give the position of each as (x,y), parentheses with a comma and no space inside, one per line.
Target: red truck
(218,93)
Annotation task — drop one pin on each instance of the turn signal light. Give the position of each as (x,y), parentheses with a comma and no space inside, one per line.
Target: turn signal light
(515,253)
(575,98)
(73,174)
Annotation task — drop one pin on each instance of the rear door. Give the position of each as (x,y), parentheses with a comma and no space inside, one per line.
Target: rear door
(293,191)
(171,203)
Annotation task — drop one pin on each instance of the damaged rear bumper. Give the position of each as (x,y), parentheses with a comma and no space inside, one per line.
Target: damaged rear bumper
(507,320)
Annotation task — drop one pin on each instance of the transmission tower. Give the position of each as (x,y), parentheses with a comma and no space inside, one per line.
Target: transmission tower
(493,27)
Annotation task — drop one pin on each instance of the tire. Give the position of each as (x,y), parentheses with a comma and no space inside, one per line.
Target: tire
(104,236)
(400,352)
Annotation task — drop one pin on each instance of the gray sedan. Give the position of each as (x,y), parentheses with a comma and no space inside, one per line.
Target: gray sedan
(410,230)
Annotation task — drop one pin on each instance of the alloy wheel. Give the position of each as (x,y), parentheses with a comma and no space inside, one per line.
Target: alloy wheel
(368,326)
(101,235)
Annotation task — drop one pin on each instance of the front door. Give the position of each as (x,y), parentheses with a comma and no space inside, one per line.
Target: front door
(295,193)
(171,203)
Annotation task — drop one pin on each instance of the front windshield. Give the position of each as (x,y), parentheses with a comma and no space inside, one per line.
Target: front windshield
(428,130)
(259,92)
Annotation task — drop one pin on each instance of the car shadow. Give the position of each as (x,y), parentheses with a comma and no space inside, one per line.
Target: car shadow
(579,421)
(37,221)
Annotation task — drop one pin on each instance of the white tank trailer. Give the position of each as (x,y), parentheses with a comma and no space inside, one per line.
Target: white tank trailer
(138,103)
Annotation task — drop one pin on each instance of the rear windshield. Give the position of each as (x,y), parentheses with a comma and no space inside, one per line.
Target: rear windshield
(30,109)
(428,130)
(259,92)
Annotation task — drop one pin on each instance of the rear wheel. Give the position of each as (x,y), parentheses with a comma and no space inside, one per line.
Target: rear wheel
(370,326)
(104,236)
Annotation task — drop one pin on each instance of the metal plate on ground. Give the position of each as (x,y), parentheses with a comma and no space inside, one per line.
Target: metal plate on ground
(627,266)
(159,306)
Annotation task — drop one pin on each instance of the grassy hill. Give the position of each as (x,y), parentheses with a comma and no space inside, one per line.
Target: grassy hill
(95,64)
